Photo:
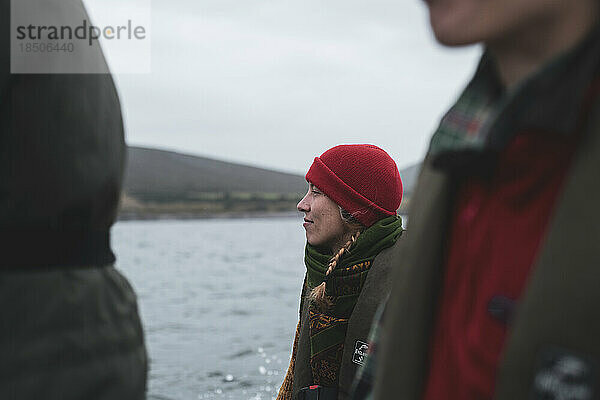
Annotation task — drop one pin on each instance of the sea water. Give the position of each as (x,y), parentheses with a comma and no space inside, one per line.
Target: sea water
(218,300)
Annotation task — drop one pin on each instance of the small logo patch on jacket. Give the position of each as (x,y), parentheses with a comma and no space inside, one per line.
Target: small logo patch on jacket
(360,352)
(563,375)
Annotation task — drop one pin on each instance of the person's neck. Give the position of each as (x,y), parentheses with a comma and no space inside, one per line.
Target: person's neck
(523,52)
(341,242)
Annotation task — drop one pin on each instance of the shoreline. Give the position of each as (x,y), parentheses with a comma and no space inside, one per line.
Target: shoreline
(133,216)
(124,217)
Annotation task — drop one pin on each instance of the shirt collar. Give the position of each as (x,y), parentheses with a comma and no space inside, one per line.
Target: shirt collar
(486,116)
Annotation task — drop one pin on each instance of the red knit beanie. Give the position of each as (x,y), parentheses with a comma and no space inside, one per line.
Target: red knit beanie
(361,178)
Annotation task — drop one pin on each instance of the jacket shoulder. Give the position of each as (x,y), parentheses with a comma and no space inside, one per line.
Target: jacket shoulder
(374,293)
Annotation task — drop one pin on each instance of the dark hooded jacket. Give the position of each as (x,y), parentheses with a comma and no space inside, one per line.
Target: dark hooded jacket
(70,327)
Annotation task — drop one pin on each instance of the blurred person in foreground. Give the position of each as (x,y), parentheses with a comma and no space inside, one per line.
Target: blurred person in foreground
(69,326)
(496,292)
(351,224)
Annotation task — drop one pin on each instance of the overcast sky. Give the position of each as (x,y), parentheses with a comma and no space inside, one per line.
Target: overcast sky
(274,83)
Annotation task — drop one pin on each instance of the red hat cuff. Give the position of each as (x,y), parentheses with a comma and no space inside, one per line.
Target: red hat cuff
(361,208)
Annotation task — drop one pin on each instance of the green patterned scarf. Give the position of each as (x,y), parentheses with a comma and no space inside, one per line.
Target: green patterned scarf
(343,286)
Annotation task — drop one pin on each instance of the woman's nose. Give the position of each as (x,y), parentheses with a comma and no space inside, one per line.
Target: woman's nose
(303,205)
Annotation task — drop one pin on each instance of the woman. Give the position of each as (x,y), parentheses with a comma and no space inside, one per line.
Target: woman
(350,221)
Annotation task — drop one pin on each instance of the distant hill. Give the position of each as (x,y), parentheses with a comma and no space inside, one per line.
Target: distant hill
(164,175)
(161,183)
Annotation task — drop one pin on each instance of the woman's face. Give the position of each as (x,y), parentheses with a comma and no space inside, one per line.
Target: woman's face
(322,220)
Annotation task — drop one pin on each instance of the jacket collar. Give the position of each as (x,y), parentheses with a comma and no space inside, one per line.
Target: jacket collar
(486,115)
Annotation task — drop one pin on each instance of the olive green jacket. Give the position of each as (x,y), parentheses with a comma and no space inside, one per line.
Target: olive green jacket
(374,292)
(558,317)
